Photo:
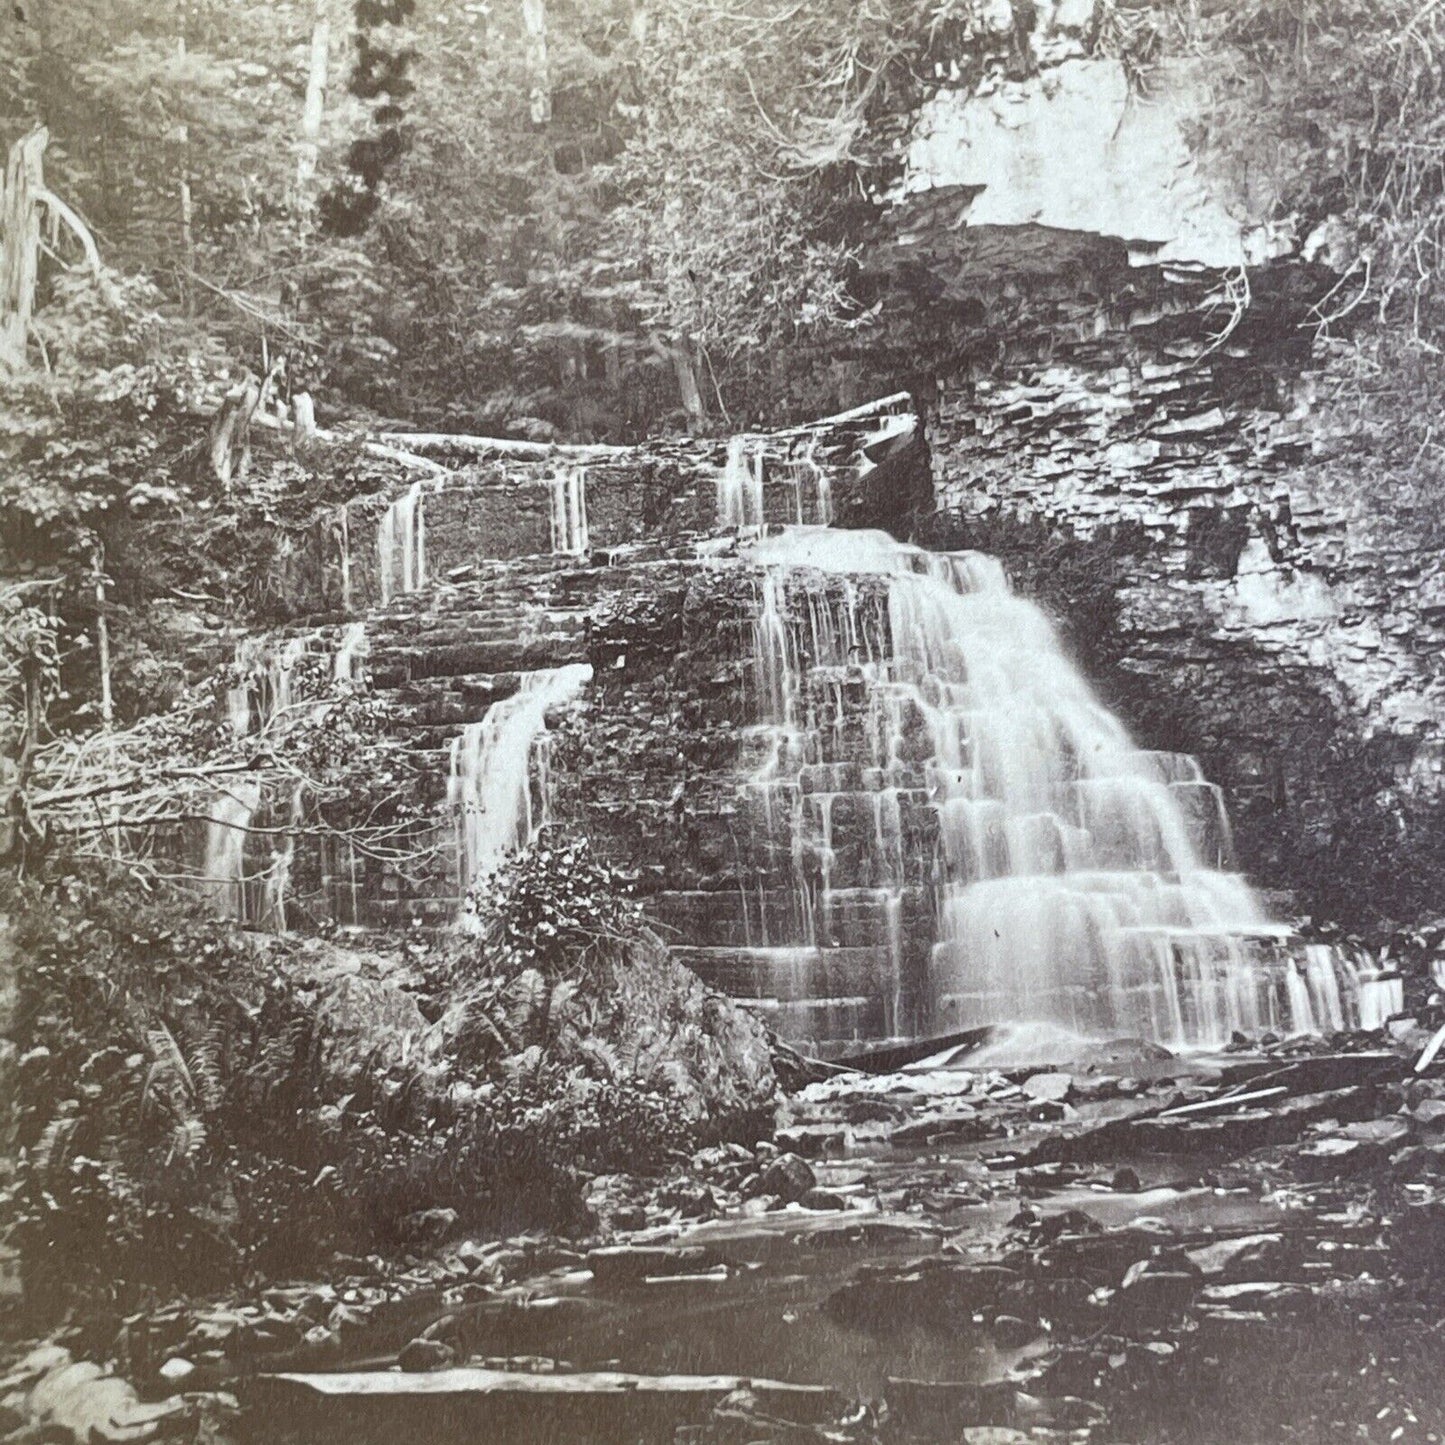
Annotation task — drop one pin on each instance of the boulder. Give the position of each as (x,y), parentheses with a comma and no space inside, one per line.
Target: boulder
(1049,1087)
(788,1177)
(421,1355)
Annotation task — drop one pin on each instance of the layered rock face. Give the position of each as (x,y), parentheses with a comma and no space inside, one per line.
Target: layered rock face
(1123,338)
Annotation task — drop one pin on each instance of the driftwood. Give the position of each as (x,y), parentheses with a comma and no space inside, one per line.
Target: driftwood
(21,201)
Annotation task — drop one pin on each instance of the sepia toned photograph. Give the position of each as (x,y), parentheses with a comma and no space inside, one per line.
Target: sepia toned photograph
(722,722)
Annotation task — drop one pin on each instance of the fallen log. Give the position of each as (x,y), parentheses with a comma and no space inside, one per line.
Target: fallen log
(504,1405)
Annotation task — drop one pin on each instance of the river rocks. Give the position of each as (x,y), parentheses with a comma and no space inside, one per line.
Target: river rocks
(1012,1332)
(421,1355)
(81,1401)
(1049,1088)
(1429,1116)
(787,1178)
(427,1226)
(633,1264)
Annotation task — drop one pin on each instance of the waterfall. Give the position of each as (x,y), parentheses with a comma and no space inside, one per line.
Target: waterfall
(569,512)
(224,868)
(264,686)
(740,485)
(401,545)
(1074,878)
(491,779)
(350,649)
(264,691)
(343,549)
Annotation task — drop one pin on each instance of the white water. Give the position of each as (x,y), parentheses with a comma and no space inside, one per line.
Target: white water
(264,692)
(223,871)
(346,665)
(740,486)
(1070,883)
(264,687)
(569,512)
(401,545)
(493,764)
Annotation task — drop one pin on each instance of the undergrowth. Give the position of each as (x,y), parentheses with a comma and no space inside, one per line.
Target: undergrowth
(197,1107)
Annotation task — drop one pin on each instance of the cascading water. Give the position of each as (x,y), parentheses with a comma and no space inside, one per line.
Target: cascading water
(569,512)
(1074,878)
(401,545)
(492,773)
(246,888)
(346,665)
(740,486)
(223,871)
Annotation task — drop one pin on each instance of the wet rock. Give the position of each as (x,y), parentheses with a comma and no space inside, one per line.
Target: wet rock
(1247,1257)
(626,1264)
(83,1402)
(1383,1134)
(690,1198)
(788,1177)
(877,1111)
(318,1346)
(176,1372)
(1048,1087)
(421,1355)
(1126,1181)
(813,1140)
(823,1199)
(1332,1158)
(349,1319)
(1154,1291)
(958,1125)
(1429,1116)
(933,1405)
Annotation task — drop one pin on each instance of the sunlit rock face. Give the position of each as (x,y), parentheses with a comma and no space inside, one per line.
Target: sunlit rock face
(1076,148)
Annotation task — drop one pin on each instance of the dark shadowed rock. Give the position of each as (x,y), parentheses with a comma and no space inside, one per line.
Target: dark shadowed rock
(788,1177)
(422,1355)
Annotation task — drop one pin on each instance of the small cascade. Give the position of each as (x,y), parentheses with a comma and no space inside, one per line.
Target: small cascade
(275,883)
(265,682)
(223,872)
(243,887)
(491,783)
(569,512)
(346,665)
(1072,877)
(740,485)
(401,545)
(343,549)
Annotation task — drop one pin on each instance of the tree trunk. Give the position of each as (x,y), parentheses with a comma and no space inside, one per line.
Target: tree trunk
(102,636)
(20,245)
(682,365)
(534,16)
(315,107)
(183,135)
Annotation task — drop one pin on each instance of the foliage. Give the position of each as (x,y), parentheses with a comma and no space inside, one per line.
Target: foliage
(1335,115)
(555,908)
(196,1106)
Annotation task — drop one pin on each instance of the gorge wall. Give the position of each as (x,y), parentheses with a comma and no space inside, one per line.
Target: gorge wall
(1140,388)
